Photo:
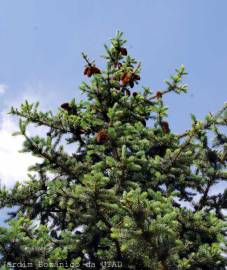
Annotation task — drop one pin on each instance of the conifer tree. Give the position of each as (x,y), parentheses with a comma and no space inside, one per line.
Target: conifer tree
(131,193)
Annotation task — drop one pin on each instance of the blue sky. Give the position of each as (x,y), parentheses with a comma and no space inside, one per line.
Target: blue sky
(41,44)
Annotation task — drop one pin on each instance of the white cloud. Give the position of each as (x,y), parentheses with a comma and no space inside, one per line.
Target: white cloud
(13,165)
(3,88)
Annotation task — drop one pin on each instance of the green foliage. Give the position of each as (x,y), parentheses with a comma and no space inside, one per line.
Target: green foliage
(131,191)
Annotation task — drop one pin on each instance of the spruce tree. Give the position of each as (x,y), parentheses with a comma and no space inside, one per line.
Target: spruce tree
(130,193)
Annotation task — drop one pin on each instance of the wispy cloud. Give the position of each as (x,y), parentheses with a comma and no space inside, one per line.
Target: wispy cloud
(14,165)
(3,88)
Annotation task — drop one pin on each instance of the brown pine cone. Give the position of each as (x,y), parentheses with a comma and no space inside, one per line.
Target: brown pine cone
(165,127)
(126,78)
(90,70)
(123,51)
(158,94)
(101,136)
(66,106)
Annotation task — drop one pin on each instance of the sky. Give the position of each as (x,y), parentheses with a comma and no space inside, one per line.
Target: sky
(40,57)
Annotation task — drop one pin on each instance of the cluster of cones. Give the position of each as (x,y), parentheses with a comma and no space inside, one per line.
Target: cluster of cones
(128,78)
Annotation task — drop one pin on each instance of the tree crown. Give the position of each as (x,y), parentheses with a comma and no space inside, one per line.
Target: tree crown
(131,190)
